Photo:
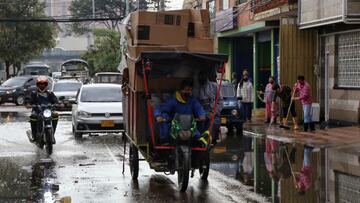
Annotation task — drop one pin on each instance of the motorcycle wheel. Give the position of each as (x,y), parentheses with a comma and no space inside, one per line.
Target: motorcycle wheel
(49,144)
(134,162)
(183,171)
(204,166)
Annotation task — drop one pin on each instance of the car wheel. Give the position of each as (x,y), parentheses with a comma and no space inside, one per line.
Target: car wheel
(77,135)
(20,100)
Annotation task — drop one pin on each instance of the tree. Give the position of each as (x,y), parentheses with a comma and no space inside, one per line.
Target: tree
(105,55)
(21,41)
(82,9)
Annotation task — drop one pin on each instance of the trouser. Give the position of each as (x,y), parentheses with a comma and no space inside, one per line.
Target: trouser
(34,123)
(307,156)
(267,111)
(248,110)
(308,117)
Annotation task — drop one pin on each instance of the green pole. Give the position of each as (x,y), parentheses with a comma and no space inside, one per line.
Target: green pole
(255,47)
(273,52)
(256,164)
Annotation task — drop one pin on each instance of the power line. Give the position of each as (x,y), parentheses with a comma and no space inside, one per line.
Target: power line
(59,20)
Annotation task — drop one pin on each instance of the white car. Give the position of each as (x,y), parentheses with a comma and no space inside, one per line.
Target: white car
(98,109)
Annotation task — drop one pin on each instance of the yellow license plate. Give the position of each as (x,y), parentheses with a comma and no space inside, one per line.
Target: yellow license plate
(223,120)
(107,124)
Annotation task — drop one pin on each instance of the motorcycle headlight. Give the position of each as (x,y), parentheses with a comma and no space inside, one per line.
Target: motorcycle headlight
(47,113)
(234,112)
(84,114)
(185,135)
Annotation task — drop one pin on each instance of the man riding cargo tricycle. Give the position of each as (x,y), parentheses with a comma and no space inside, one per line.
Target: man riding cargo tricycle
(163,120)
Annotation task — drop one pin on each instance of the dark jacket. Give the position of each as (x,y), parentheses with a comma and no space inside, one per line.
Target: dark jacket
(39,98)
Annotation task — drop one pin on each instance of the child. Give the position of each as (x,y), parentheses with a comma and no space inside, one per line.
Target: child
(268,95)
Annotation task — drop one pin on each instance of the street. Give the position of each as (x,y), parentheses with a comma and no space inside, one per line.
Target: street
(90,170)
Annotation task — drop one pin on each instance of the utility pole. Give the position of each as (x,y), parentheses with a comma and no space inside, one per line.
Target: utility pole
(127,7)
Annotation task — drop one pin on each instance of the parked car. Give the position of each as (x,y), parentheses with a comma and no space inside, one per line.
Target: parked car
(108,77)
(232,114)
(16,89)
(98,109)
(67,89)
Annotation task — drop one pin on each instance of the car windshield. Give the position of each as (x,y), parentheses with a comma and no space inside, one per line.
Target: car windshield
(36,70)
(109,78)
(14,82)
(101,94)
(227,91)
(67,87)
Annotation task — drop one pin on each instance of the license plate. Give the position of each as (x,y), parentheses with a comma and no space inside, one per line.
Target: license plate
(107,124)
(223,120)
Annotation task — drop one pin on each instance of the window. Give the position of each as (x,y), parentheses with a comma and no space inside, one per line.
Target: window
(348,60)
(225,4)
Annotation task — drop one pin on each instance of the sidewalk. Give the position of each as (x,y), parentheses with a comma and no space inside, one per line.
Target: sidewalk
(320,138)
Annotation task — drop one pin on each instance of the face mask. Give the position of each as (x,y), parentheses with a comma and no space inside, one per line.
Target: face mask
(245,79)
(186,96)
(271,82)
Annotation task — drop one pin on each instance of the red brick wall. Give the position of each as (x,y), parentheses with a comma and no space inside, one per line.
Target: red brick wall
(271,4)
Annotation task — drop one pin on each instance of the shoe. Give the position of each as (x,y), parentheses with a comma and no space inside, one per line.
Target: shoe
(268,120)
(312,127)
(296,126)
(306,127)
(284,121)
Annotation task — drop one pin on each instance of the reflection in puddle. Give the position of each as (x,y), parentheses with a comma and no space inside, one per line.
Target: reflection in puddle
(27,184)
(275,169)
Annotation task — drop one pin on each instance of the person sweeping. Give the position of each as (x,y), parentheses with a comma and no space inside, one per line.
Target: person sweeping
(304,90)
(288,107)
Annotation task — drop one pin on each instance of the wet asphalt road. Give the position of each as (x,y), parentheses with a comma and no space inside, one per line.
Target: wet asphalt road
(90,170)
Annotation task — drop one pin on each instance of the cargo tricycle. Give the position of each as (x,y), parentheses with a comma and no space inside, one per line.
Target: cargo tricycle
(149,80)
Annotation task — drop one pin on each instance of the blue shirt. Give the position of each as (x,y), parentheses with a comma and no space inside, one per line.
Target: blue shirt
(173,106)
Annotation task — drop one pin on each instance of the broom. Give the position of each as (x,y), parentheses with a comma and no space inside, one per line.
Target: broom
(287,127)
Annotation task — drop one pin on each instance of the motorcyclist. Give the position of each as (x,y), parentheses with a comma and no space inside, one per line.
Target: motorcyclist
(183,103)
(41,96)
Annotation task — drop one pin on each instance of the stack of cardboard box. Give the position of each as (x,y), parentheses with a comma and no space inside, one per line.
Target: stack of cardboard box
(181,30)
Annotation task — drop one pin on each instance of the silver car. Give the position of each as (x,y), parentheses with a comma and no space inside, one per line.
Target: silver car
(67,89)
(98,109)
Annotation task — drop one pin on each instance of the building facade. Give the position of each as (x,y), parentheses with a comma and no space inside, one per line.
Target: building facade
(337,23)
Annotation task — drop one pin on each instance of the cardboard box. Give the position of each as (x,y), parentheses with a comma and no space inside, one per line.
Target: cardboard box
(159,28)
(201,45)
(155,84)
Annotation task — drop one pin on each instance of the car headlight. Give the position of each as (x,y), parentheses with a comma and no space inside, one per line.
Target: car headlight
(10,91)
(234,112)
(47,113)
(84,114)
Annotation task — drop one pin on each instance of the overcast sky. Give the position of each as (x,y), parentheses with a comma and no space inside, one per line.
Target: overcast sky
(175,4)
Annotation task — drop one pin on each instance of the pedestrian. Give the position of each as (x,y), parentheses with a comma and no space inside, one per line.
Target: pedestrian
(205,92)
(245,95)
(268,97)
(234,80)
(304,177)
(304,90)
(284,92)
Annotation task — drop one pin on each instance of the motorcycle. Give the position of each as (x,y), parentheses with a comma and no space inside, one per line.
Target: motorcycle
(183,129)
(45,131)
